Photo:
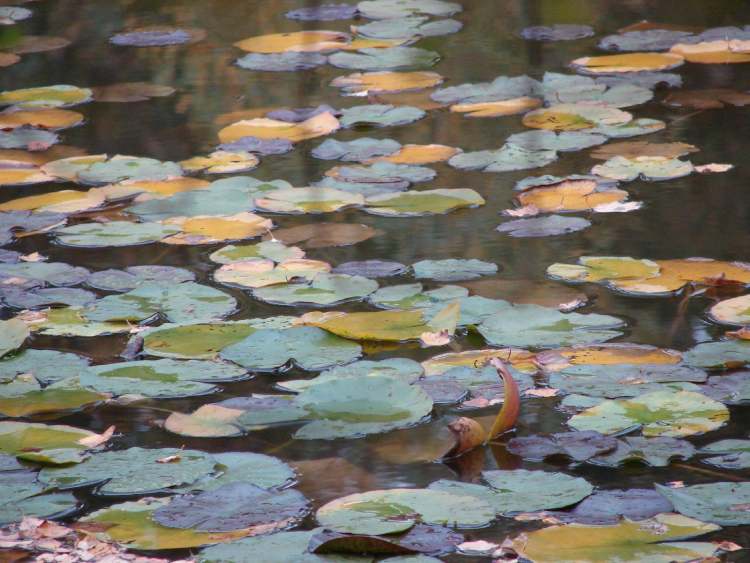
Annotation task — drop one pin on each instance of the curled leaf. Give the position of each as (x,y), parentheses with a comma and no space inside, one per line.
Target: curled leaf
(508,415)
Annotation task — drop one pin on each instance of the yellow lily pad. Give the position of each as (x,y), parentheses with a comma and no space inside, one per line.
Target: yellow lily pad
(63,201)
(221,162)
(366,83)
(630,62)
(575,117)
(261,273)
(209,229)
(388,326)
(146,189)
(297,41)
(519,358)
(265,128)
(714,52)
(497,109)
(735,311)
(419,154)
(570,195)
(14,173)
(43,119)
(606,354)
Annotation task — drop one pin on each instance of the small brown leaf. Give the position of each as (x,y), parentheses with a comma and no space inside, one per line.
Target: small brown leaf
(467,433)
(97,439)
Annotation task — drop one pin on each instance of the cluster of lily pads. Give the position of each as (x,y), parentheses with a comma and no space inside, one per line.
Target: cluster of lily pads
(624,404)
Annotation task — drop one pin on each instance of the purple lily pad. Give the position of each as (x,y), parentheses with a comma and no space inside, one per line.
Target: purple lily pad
(281,62)
(549,225)
(579,446)
(656,452)
(28,138)
(607,507)
(257,145)
(11,221)
(325,12)
(731,389)
(234,506)
(21,298)
(157,36)
(8,256)
(371,268)
(557,32)
(297,115)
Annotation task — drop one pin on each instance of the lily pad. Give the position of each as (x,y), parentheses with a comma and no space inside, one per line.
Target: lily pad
(371,268)
(569,194)
(134,471)
(308,347)
(453,269)
(579,446)
(12,336)
(323,290)
(125,92)
(380,115)
(234,506)
(387,326)
(543,140)
(413,296)
(120,168)
(260,470)
(357,150)
(265,128)
(46,366)
(379,177)
(557,32)
(24,498)
(644,40)
(384,9)
(661,413)
(23,397)
(634,149)
(38,44)
(726,354)
(551,225)
(390,58)
(281,62)
(114,233)
(649,168)
(134,276)
(720,503)
(576,117)
(199,340)
(270,250)
(60,95)
(182,302)
(160,379)
(612,505)
(733,389)
(519,490)
(323,235)
(221,162)
(733,312)
(295,41)
(655,452)
(384,82)
(420,203)
(631,62)
(261,273)
(308,200)
(157,36)
(505,159)
(626,541)
(402,368)
(324,12)
(407,27)
(28,138)
(396,510)
(21,438)
(734,454)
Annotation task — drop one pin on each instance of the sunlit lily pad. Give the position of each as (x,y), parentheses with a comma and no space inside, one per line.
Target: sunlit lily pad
(297,41)
(134,471)
(323,289)
(261,273)
(650,168)
(396,510)
(453,269)
(718,51)
(575,117)
(19,438)
(656,452)
(134,276)
(265,128)
(420,154)
(46,366)
(391,58)
(269,250)
(425,202)
(542,327)
(53,119)
(661,413)
(389,326)
(212,229)
(644,40)
(380,115)
(521,490)
(221,162)
(557,32)
(631,62)
(28,138)
(626,541)
(569,194)
(735,311)
(131,524)
(160,378)
(308,200)
(551,225)
(406,27)
(9,15)
(365,83)
(114,233)
(308,347)
(721,503)
(12,336)
(61,95)
(157,36)
(282,62)
(357,150)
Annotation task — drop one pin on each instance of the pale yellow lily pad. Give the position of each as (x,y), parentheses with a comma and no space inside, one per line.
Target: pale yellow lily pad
(570,195)
(630,62)
(365,83)
(62,201)
(261,273)
(297,41)
(51,118)
(265,128)
(419,154)
(205,229)
(735,311)
(221,162)
(497,109)
(388,326)
(714,52)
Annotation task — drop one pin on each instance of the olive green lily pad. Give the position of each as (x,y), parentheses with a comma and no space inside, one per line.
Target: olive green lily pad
(309,348)
(540,327)
(722,503)
(413,296)
(19,438)
(402,368)
(269,250)
(160,379)
(61,95)
(182,302)
(28,398)
(203,340)
(46,366)
(453,269)
(13,333)
(69,321)
(724,354)
(324,290)
(419,203)
(131,524)
(625,542)
(134,471)
(390,58)
(650,168)
(388,326)
(308,200)
(661,413)
(114,233)
(519,490)
(396,510)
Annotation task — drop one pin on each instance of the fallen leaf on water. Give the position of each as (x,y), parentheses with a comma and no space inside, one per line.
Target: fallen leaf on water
(712,98)
(97,439)
(634,149)
(525,211)
(169,459)
(264,128)
(542,393)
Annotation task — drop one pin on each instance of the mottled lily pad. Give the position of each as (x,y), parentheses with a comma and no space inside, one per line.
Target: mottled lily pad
(21,438)
(557,32)
(61,95)
(23,397)
(134,276)
(270,250)
(114,233)
(453,269)
(258,273)
(157,36)
(323,290)
(371,268)
(308,200)
(505,159)
(407,27)
(281,62)
(649,168)
(380,115)
(656,452)
(357,150)
(388,326)
(425,202)
(720,503)
(390,58)
(28,138)
(46,366)
(12,336)
(725,354)
(578,446)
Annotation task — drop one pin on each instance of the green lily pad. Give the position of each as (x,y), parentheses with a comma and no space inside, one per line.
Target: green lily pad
(413,296)
(396,510)
(324,290)
(649,168)
(308,200)
(29,400)
(134,471)
(385,9)
(571,88)
(69,321)
(640,126)
(61,95)
(453,269)
(407,27)
(17,438)
(721,503)
(160,379)
(114,233)
(390,58)
(420,203)
(260,470)
(540,327)
(731,389)
(401,368)
(13,333)
(203,340)
(23,496)
(625,542)
(183,302)
(269,250)
(131,524)
(724,354)
(388,326)
(357,150)
(656,452)
(505,159)
(120,168)
(234,506)
(309,348)
(380,115)
(519,490)
(257,273)
(134,276)
(662,413)
(57,274)
(735,454)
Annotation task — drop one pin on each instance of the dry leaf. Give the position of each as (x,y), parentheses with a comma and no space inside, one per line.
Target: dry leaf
(467,433)
(525,211)
(713,168)
(508,415)
(97,439)
(169,459)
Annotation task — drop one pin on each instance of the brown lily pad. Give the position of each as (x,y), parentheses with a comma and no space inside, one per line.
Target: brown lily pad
(634,149)
(131,92)
(323,235)
(713,98)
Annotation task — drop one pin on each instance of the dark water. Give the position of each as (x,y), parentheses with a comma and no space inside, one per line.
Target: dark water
(694,216)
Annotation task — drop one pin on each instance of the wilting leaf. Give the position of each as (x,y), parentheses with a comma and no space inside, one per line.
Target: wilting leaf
(497,109)
(508,415)
(396,510)
(572,193)
(579,446)
(661,413)
(407,27)
(264,128)
(366,83)
(634,149)
(380,115)
(157,36)
(131,524)
(298,41)
(12,335)
(281,62)
(550,225)
(234,506)
(557,32)
(310,348)
(735,311)
(720,503)
(61,95)
(656,452)
(519,490)
(632,62)
(391,58)
(425,202)
(134,471)
(625,541)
